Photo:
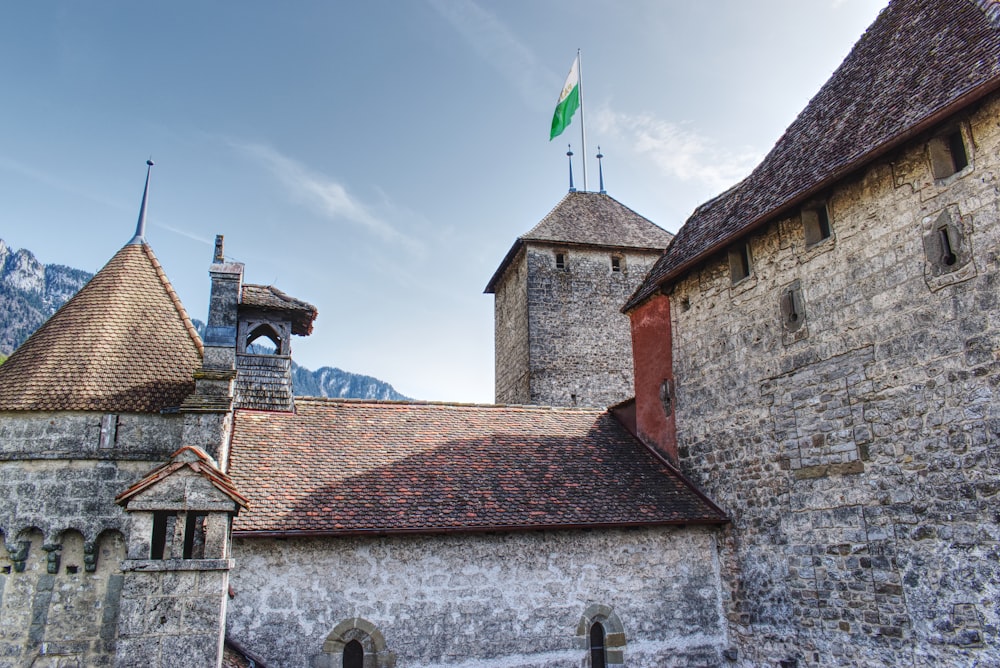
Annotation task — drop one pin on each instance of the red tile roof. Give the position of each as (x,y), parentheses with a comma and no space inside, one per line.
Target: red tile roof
(123,343)
(920,61)
(270,298)
(590,219)
(186,457)
(348,467)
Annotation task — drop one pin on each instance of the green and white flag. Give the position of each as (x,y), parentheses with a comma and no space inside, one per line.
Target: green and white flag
(569,100)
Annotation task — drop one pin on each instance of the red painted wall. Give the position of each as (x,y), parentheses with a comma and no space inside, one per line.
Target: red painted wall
(652,355)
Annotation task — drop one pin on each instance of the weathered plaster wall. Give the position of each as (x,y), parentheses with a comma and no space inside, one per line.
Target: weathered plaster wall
(490,599)
(580,344)
(858,454)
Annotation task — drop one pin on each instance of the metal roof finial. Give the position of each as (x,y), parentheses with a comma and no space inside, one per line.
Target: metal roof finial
(569,154)
(140,227)
(600,168)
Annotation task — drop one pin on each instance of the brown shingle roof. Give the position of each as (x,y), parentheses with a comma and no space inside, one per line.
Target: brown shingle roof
(590,219)
(123,343)
(345,467)
(270,298)
(920,61)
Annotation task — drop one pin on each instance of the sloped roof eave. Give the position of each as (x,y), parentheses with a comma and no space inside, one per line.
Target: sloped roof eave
(491,528)
(792,201)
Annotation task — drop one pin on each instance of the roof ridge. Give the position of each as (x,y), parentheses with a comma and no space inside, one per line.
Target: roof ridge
(168,286)
(444,404)
(941,56)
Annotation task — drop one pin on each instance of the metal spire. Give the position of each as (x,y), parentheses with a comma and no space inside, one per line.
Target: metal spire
(600,168)
(140,227)
(569,154)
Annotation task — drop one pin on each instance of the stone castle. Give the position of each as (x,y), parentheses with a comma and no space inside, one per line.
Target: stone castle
(799,465)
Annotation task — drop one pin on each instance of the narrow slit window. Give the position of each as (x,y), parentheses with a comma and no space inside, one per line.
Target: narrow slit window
(561,261)
(616,263)
(163,528)
(816,224)
(194,536)
(598,651)
(792,308)
(948,257)
(739,262)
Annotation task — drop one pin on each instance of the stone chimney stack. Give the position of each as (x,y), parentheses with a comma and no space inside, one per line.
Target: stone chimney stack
(208,411)
(223,310)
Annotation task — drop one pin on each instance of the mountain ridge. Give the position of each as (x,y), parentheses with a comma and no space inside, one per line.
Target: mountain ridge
(30,292)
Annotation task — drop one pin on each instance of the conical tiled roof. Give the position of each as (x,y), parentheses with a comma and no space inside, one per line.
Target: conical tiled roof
(123,343)
(590,219)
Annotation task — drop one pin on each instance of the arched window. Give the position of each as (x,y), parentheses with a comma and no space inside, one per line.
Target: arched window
(356,643)
(354,655)
(598,652)
(601,633)
(266,332)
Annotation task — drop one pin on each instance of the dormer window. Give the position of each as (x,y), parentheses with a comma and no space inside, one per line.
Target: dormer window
(739,262)
(948,154)
(816,223)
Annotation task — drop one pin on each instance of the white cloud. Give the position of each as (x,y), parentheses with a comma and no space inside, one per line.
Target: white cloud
(678,152)
(325,195)
(495,43)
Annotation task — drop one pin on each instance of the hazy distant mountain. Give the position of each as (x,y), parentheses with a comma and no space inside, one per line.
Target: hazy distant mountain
(30,292)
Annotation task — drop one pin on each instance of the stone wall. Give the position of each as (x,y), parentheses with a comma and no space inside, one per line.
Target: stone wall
(580,345)
(513,599)
(856,447)
(60,571)
(510,335)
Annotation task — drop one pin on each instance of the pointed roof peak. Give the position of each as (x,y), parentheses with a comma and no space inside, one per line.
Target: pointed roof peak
(122,344)
(140,227)
(590,219)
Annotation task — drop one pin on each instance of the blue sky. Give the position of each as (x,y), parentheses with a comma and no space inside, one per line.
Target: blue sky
(377,159)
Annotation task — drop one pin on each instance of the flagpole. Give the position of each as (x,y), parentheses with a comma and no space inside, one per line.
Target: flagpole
(583,124)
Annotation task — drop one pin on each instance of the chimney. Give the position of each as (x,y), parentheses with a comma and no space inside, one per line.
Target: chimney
(652,355)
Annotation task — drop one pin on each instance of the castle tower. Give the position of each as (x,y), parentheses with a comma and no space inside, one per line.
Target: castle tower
(560,338)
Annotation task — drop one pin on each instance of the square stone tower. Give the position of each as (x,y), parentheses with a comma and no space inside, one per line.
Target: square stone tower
(561,339)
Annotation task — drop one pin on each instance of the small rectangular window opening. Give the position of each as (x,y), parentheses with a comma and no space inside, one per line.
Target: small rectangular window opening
(194,536)
(816,224)
(739,262)
(561,261)
(163,526)
(616,263)
(948,154)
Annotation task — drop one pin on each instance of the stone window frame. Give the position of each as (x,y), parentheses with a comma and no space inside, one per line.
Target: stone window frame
(617,263)
(817,223)
(947,224)
(740,262)
(949,153)
(614,633)
(377,654)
